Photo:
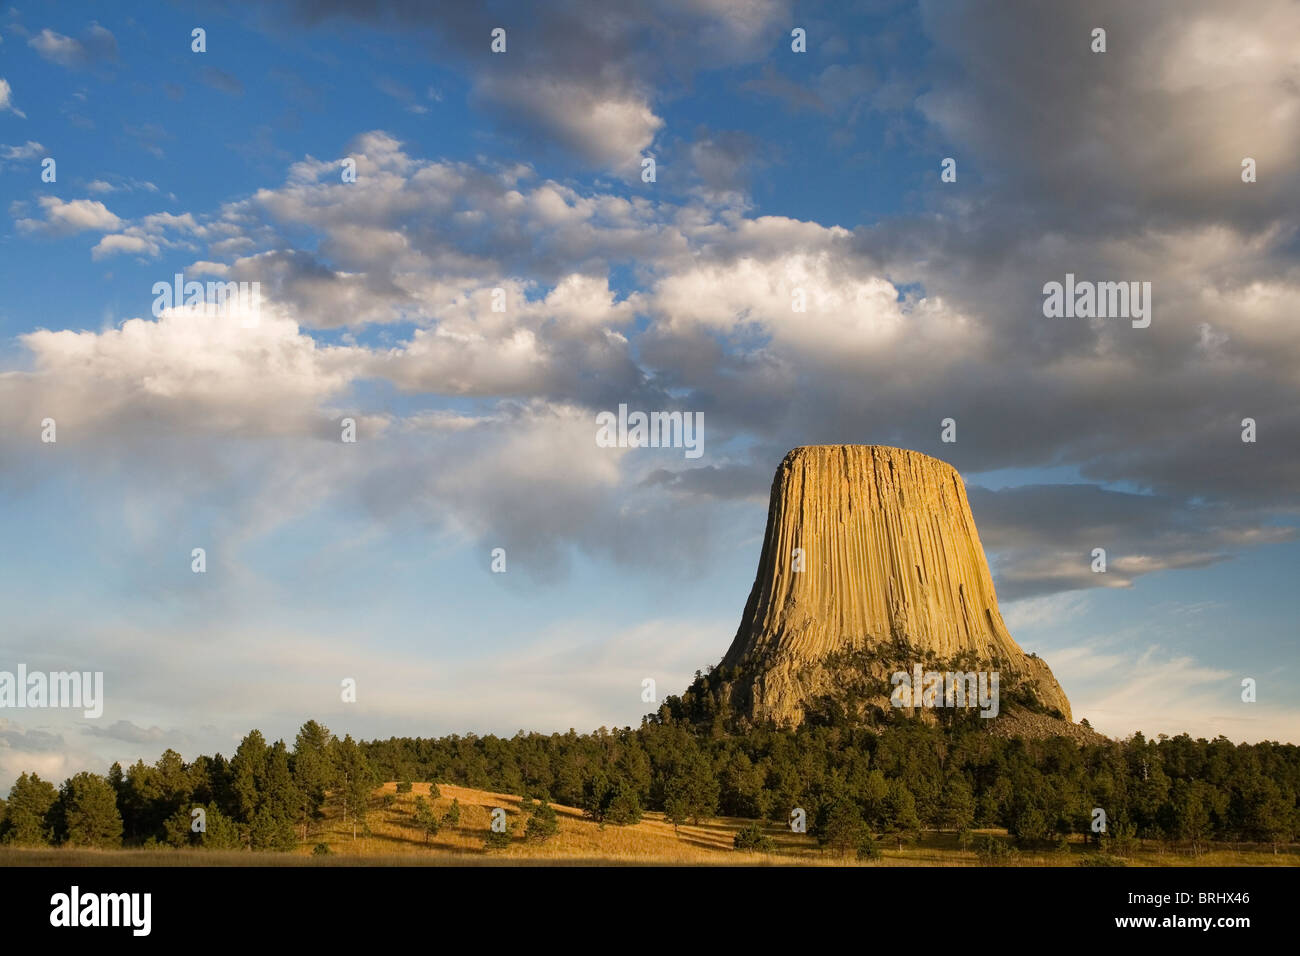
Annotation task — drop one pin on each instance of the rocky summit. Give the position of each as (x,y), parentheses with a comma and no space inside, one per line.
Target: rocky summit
(869,547)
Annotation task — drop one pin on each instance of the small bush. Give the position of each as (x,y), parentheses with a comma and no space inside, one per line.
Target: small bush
(992,851)
(542,823)
(752,839)
(404,786)
(321,849)
(868,849)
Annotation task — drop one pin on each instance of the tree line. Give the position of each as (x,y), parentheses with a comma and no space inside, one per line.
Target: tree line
(846,770)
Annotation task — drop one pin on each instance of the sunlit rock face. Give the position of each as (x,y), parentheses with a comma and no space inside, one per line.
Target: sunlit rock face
(889,554)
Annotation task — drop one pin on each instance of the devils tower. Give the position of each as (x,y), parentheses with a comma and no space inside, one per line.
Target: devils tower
(890,558)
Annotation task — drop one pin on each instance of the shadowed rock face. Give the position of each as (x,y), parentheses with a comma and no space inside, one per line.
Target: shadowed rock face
(890,554)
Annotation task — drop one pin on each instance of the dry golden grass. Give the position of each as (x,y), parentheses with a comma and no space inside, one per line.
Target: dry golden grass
(395,841)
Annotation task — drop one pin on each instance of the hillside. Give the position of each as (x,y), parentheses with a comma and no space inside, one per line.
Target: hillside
(395,841)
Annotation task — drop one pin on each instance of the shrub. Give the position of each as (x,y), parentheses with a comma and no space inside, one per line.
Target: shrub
(542,823)
(752,839)
(497,839)
(868,849)
(992,851)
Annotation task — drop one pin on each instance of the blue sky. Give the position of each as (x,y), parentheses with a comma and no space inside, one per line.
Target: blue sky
(521,171)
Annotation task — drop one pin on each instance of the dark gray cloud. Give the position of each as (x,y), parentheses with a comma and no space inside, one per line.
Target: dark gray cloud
(32,741)
(1044,536)
(1150,133)
(126,731)
(579,75)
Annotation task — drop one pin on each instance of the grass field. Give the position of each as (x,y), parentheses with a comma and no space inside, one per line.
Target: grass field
(394,841)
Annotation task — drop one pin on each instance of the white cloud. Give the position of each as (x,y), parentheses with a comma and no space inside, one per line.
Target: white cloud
(116,244)
(605,128)
(66,218)
(29,150)
(6,99)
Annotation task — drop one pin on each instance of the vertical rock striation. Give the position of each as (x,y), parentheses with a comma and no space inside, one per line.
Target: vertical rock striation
(890,555)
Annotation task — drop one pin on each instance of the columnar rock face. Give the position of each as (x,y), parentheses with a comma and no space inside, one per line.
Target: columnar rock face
(889,554)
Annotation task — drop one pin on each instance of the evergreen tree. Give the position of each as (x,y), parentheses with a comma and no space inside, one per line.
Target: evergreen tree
(542,823)
(676,810)
(840,827)
(178,829)
(26,816)
(958,804)
(624,807)
(751,839)
(248,774)
(694,785)
(85,813)
(313,771)
(901,820)
(281,799)
(269,830)
(425,819)
(221,832)
(498,839)
(355,781)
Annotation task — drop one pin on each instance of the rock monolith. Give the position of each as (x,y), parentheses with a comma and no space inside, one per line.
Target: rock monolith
(868,545)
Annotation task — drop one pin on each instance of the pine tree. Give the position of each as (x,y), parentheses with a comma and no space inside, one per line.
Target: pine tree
(751,839)
(355,780)
(901,819)
(248,772)
(313,771)
(221,832)
(676,810)
(840,827)
(281,798)
(425,819)
(498,839)
(271,831)
(86,814)
(178,830)
(542,823)
(694,785)
(26,817)
(452,818)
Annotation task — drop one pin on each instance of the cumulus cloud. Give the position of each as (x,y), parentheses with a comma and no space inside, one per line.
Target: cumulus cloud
(1074,133)
(612,130)
(223,371)
(782,331)
(66,218)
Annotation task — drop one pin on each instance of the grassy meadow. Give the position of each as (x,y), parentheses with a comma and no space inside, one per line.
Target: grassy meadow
(394,840)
